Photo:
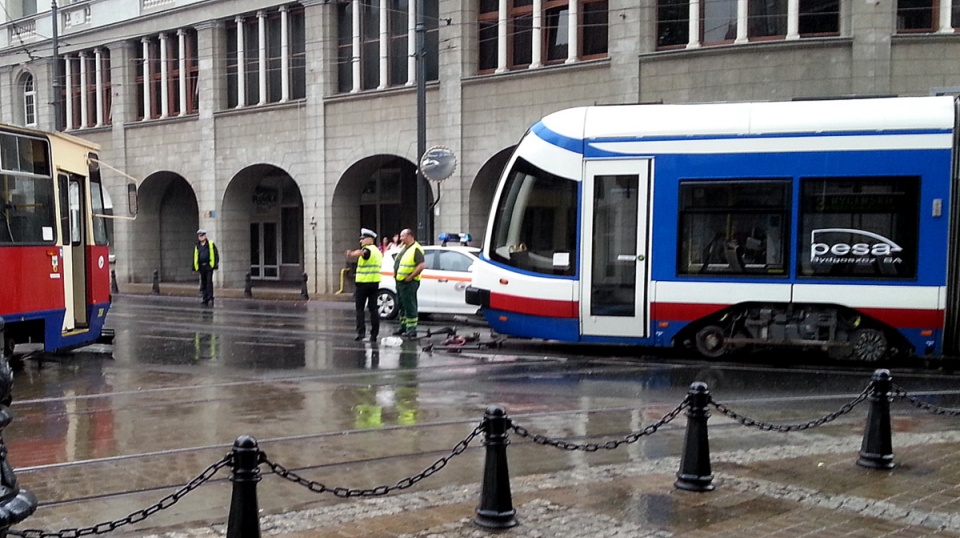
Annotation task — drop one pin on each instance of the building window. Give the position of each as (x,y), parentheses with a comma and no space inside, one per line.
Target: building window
(766,18)
(916,15)
(734,227)
(487,22)
(539,33)
(819,18)
(167,75)
(673,23)
(29,92)
(859,227)
(87,89)
(718,21)
(365,27)
(271,71)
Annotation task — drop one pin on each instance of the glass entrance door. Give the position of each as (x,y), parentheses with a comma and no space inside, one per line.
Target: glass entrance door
(615,272)
(264,251)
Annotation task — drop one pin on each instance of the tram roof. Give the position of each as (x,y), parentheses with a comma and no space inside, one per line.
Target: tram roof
(732,119)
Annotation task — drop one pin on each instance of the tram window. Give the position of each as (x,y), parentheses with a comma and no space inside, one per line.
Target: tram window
(536,222)
(24,154)
(734,227)
(859,227)
(26,210)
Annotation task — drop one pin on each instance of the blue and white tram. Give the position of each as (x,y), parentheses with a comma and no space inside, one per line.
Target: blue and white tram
(809,223)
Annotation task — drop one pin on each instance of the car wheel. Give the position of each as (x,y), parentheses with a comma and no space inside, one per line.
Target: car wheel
(387,304)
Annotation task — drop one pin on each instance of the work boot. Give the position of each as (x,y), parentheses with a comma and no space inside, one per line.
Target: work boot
(399,332)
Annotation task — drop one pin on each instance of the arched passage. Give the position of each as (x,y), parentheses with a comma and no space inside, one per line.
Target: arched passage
(165,229)
(261,227)
(378,192)
(482,191)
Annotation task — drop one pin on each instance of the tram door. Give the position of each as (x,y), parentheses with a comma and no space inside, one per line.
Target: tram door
(614,248)
(74,271)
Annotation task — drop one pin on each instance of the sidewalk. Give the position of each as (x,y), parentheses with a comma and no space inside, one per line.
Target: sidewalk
(810,490)
(268,292)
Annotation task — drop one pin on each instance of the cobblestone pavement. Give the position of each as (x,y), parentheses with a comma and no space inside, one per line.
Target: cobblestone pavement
(813,489)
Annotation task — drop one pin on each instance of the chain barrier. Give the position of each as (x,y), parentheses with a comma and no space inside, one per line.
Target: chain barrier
(899,392)
(609,445)
(134,517)
(766,426)
(405,483)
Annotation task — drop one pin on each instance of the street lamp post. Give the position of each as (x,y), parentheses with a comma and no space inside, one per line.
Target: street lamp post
(58,120)
(421,74)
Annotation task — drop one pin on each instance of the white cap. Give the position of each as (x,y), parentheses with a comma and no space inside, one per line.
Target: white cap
(365,232)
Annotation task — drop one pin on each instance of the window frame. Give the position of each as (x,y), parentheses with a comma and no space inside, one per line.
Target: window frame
(28,88)
(731,246)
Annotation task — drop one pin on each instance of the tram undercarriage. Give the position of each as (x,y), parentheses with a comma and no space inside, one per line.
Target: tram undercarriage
(841,332)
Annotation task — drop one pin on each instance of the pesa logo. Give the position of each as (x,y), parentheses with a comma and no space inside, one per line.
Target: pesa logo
(874,246)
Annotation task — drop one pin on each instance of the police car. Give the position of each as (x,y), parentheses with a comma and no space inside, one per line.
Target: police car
(442,282)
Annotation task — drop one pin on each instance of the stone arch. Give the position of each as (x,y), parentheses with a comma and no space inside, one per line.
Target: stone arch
(165,229)
(261,227)
(377,192)
(483,190)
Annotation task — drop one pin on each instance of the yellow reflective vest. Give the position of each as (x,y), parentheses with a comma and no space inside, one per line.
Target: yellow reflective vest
(368,270)
(407,262)
(213,256)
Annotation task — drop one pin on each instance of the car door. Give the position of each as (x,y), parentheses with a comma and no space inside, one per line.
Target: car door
(427,294)
(452,272)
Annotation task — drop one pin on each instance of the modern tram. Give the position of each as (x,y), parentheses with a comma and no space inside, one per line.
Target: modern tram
(54,256)
(821,224)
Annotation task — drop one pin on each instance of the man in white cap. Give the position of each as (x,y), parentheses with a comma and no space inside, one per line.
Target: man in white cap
(206,259)
(369,260)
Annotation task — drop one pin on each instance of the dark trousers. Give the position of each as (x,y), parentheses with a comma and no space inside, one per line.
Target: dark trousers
(206,284)
(409,309)
(365,297)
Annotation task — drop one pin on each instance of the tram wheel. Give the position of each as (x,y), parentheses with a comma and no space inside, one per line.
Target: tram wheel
(710,341)
(870,345)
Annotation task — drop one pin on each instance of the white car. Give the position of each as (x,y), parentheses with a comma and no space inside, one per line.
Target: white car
(442,282)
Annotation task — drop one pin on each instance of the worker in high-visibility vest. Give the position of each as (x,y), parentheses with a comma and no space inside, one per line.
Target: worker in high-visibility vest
(369,259)
(407,265)
(206,259)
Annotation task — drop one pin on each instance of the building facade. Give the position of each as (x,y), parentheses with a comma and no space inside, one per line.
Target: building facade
(283,127)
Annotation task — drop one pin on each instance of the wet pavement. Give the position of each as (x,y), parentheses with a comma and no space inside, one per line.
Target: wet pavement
(97,437)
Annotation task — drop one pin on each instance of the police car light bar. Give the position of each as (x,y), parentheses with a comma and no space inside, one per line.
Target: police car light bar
(445,238)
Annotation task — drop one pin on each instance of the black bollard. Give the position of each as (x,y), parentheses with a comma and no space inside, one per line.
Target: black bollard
(15,504)
(876,452)
(114,287)
(244,520)
(156,282)
(303,287)
(694,473)
(248,286)
(496,504)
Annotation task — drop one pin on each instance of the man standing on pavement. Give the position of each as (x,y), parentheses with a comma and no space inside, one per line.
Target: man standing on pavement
(206,259)
(369,260)
(408,264)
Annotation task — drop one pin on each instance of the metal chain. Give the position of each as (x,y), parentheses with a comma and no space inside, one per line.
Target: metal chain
(609,445)
(899,392)
(345,493)
(766,426)
(135,517)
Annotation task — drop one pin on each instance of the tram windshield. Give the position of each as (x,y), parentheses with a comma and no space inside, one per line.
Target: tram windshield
(535,227)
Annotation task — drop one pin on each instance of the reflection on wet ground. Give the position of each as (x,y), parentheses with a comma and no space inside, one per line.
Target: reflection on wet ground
(97,435)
